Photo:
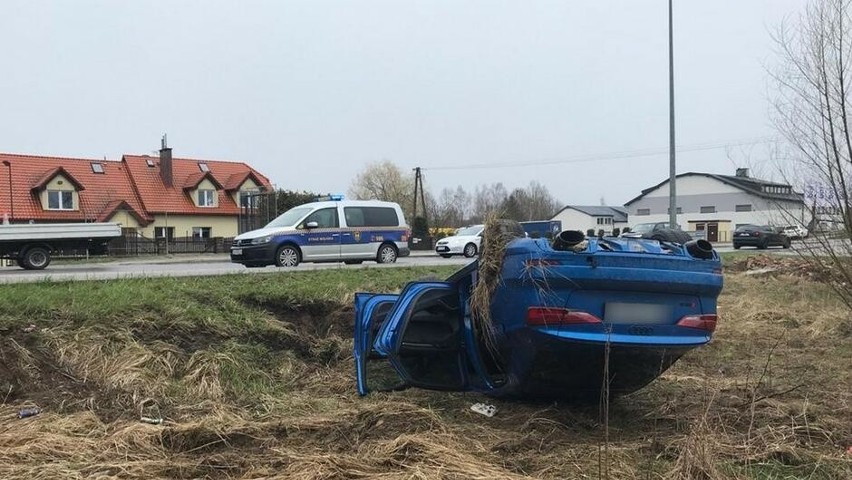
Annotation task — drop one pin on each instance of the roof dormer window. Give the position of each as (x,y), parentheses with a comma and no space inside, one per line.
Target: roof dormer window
(150,162)
(97,167)
(203,167)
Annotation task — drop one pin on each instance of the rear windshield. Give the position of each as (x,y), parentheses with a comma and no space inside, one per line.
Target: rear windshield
(643,228)
(746,228)
(469,231)
(371,217)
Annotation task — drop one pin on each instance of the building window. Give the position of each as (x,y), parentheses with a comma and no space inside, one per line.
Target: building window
(60,200)
(643,211)
(203,167)
(98,167)
(604,220)
(742,208)
(164,232)
(710,209)
(201,232)
(679,210)
(206,198)
(150,162)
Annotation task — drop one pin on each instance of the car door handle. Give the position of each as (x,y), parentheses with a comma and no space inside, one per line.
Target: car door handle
(346,233)
(335,234)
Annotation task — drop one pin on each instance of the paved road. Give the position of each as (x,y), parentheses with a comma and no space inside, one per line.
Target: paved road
(197,265)
(211,264)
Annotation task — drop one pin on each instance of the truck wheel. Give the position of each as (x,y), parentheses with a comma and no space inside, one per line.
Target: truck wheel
(36,258)
(287,256)
(387,254)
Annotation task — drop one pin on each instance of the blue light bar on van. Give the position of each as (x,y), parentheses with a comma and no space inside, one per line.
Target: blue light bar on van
(335,198)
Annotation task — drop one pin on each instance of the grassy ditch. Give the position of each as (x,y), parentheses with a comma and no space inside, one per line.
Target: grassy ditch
(254,378)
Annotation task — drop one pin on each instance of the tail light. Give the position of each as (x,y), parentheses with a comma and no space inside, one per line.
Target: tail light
(554,317)
(405,235)
(756,234)
(701,322)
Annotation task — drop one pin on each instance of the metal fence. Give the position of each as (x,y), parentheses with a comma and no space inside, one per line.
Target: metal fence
(139,245)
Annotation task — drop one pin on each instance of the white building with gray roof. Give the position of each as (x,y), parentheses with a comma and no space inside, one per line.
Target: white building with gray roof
(717,204)
(585,217)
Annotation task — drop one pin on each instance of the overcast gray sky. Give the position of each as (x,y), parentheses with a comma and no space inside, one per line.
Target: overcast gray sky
(308,92)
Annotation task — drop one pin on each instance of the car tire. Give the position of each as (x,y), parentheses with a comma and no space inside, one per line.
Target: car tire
(470,250)
(737,247)
(353,262)
(786,243)
(386,254)
(763,244)
(446,255)
(36,258)
(287,256)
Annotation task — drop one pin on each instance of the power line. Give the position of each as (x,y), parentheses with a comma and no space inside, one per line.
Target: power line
(647,152)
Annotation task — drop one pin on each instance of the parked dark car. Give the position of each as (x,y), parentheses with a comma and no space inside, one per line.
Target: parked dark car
(658,231)
(760,236)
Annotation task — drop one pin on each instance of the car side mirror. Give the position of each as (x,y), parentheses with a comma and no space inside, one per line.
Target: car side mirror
(312,225)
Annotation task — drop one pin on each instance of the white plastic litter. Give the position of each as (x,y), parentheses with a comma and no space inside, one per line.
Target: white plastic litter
(487,410)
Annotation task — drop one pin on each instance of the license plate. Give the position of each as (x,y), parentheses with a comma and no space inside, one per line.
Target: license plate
(442,249)
(633,313)
(236,251)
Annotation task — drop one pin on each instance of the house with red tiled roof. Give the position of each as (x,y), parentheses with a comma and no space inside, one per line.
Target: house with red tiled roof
(155,196)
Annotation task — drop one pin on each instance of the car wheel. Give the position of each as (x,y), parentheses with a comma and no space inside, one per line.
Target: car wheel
(387,254)
(353,262)
(287,256)
(469,250)
(446,255)
(36,258)
(763,245)
(786,243)
(737,247)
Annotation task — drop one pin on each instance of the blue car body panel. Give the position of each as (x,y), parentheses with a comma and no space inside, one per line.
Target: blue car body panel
(636,289)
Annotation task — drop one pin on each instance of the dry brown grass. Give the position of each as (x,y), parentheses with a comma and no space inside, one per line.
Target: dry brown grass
(768,398)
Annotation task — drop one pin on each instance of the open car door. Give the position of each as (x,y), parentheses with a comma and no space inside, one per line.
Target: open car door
(371,310)
(422,337)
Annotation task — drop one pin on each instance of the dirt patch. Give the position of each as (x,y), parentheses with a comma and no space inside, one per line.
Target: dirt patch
(781,265)
(31,376)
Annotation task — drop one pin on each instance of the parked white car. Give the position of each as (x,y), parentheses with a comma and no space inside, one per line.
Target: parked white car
(465,242)
(795,232)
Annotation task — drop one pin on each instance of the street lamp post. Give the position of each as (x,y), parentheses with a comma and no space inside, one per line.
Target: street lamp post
(672,170)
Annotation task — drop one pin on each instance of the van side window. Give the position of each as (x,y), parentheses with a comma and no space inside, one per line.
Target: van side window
(325,218)
(370,217)
(354,216)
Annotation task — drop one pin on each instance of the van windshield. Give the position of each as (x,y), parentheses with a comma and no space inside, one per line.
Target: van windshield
(290,217)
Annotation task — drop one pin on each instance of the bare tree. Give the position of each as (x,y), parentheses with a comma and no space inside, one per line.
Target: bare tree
(811,113)
(385,181)
(488,198)
(450,209)
(531,203)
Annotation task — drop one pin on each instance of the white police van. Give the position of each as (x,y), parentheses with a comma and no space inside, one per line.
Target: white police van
(337,230)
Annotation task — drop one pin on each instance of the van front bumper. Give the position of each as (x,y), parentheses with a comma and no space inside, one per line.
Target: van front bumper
(254,254)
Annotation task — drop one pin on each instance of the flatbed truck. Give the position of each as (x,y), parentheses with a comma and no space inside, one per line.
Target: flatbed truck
(32,245)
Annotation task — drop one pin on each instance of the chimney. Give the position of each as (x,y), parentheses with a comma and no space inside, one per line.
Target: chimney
(166,163)
(742,172)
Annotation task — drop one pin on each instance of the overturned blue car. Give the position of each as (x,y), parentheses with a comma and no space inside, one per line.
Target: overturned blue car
(566,320)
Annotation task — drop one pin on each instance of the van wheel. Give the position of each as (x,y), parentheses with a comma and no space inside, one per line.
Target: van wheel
(469,250)
(36,258)
(387,254)
(287,256)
